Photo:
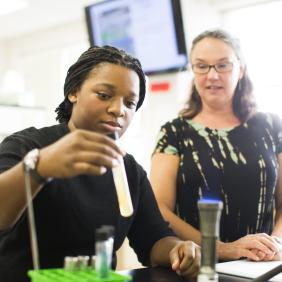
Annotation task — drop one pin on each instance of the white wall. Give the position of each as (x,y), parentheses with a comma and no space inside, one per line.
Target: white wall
(3,57)
(199,15)
(37,57)
(262,47)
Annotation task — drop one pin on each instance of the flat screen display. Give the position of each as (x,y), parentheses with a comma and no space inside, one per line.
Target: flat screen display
(151,30)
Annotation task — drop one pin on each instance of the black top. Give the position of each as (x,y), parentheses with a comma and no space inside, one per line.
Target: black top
(238,166)
(67,211)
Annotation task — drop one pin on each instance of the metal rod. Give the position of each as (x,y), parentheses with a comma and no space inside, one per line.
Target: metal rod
(32,227)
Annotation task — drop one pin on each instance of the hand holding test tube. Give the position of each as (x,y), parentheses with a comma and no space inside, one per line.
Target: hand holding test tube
(122,188)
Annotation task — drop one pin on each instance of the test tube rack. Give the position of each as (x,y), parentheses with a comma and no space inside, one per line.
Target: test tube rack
(86,275)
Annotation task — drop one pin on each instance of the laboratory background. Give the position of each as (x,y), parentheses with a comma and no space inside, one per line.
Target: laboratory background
(40,39)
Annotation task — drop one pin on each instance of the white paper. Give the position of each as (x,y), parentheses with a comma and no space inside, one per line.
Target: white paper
(248,269)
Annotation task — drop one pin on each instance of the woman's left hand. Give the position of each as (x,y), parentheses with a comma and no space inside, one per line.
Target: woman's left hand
(274,255)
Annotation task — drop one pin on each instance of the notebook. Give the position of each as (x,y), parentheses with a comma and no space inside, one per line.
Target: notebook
(248,269)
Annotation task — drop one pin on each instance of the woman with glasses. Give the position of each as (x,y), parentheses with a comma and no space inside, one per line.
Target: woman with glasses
(220,147)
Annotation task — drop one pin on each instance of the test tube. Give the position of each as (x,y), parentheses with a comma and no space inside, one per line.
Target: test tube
(104,250)
(93,262)
(70,263)
(122,188)
(83,262)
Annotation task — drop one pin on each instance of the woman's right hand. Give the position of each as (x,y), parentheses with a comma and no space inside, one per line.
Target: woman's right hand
(79,152)
(243,247)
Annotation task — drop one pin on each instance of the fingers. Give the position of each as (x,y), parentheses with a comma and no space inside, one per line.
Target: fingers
(94,159)
(269,241)
(80,140)
(175,258)
(249,254)
(261,256)
(256,247)
(275,255)
(86,168)
(193,262)
(262,242)
(185,259)
(266,257)
(79,152)
(104,141)
(262,245)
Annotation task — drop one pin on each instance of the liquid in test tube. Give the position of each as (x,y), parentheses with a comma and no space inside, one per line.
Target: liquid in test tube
(122,188)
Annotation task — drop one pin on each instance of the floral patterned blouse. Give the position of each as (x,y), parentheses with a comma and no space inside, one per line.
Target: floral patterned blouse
(239,166)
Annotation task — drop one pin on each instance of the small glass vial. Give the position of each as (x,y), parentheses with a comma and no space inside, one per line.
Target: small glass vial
(121,184)
(83,262)
(70,264)
(104,250)
(93,262)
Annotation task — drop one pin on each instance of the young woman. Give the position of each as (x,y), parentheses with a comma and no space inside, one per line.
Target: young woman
(71,178)
(221,147)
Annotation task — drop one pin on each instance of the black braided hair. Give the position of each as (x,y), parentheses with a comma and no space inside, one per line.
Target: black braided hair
(91,58)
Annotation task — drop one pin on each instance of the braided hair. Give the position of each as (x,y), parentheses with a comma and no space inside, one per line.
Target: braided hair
(91,58)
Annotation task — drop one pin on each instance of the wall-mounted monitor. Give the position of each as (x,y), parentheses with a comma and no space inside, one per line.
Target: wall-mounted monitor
(151,30)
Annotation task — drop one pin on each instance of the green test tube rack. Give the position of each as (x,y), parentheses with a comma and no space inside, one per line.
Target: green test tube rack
(61,275)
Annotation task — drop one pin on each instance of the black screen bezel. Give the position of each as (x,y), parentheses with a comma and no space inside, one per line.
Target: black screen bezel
(178,28)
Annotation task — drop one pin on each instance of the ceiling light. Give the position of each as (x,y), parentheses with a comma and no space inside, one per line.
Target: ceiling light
(11,6)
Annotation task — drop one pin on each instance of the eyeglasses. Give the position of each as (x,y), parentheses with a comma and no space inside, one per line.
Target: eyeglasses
(202,68)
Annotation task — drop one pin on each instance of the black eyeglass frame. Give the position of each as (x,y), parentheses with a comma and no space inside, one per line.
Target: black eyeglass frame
(215,66)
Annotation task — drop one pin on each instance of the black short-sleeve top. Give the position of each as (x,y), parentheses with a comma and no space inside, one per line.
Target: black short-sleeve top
(238,166)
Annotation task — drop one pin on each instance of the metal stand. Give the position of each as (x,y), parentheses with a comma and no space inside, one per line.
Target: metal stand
(32,227)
